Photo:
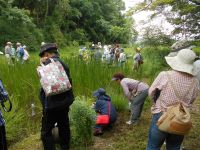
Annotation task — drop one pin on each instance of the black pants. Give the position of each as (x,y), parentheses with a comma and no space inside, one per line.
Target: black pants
(3,144)
(48,121)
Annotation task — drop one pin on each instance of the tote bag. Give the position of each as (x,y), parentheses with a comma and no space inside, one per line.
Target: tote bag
(53,78)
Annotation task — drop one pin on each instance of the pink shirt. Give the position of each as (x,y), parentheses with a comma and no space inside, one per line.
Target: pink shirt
(131,84)
(167,96)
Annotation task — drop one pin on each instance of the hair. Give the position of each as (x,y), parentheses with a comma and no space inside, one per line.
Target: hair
(118,76)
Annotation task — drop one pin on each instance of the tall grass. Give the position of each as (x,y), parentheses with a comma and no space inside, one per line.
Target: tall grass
(22,83)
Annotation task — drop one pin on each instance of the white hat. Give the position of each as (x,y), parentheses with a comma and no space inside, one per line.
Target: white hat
(43,43)
(183,62)
(9,43)
(24,46)
(18,43)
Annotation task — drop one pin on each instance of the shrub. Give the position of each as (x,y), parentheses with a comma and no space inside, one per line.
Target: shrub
(82,120)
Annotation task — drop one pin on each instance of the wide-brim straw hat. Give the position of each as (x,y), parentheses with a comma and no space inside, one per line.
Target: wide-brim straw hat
(183,62)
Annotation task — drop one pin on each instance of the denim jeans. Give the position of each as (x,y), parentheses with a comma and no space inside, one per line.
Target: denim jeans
(157,137)
(137,104)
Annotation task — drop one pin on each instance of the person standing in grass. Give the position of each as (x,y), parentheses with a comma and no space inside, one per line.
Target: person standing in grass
(8,51)
(104,106)
(137,59)
(136,92)
(168,89)
(122,58)
(26,54)
(56,107)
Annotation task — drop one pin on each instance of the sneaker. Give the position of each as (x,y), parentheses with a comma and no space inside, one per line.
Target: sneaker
(132,122)
(129,122)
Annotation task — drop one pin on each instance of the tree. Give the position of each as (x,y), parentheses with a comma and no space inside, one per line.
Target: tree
(15,25)
(153,36)
(63,21)
(183,14)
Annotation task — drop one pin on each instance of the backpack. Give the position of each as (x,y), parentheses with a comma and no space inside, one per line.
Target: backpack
(140,61)
(4,97)
(53,78)
(21,51)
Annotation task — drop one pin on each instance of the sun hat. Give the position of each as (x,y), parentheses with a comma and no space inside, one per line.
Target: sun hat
(183,62)
(47,47)
(18,43)
(9,43)
(24,46)
(99,92)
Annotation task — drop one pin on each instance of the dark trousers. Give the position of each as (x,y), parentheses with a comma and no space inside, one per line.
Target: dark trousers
(3,144)
(48,122)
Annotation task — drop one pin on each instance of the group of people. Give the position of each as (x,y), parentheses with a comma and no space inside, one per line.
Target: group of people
(182,78)
(180,85)
(106,53)
(20,53)
(110,54)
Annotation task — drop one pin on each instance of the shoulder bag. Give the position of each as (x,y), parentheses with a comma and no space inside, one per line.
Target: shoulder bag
(104,119)
(176,120)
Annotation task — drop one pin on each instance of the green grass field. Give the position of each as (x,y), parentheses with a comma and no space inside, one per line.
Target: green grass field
(23,85)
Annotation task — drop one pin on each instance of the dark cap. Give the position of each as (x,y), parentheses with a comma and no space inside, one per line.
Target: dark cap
(47,47)
(99,92)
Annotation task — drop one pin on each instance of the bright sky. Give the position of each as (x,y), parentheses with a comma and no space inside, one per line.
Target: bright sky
(142,17)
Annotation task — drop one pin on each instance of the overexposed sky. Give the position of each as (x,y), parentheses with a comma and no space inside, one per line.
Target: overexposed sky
(141,18)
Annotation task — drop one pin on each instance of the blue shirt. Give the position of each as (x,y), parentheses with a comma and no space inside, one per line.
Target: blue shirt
(2,121)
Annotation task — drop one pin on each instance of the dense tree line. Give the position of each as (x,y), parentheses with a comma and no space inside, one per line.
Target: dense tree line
(64,21)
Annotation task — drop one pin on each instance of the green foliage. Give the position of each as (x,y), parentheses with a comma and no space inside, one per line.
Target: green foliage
(16,26)
(82,120)
(183,14)
(153,36)
(65,21)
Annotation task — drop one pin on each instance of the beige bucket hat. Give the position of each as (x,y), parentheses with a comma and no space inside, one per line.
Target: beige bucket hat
(183,62)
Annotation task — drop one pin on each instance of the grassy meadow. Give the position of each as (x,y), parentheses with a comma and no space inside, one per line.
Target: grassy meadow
(22,83)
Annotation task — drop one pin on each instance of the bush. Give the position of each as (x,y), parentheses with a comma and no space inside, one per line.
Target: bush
(82,120)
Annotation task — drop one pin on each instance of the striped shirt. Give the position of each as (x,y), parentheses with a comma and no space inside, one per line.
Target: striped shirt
(129,85)
(167,96)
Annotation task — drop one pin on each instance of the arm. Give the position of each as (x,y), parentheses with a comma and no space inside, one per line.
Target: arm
(125,89)
(157,86)
(98,107)
(67,71)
